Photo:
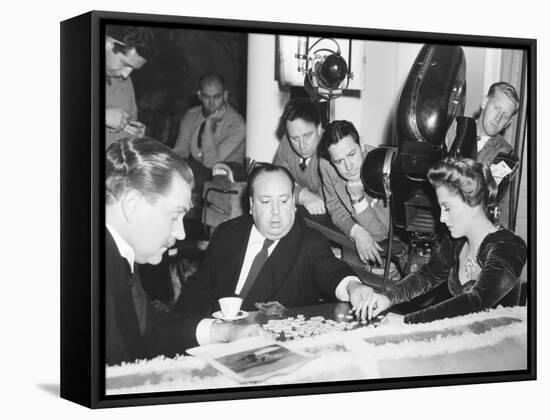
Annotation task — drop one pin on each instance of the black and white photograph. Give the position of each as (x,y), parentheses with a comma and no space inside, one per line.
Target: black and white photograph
(257,209)
(367,190)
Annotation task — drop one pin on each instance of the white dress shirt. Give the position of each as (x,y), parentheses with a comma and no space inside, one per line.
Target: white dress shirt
(255,244)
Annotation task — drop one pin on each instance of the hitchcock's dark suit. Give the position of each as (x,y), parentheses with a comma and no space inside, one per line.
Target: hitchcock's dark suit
(300,271)
(164,334)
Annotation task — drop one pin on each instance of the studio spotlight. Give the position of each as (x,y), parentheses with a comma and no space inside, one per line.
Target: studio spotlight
(326,72)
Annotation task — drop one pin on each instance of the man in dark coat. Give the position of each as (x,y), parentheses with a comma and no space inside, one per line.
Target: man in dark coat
(298,269)
(147,193)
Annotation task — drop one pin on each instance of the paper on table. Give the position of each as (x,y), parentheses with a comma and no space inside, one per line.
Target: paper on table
(251,359)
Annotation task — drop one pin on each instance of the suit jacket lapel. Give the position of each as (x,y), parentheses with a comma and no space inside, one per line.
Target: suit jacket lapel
(235,257)
(117,282)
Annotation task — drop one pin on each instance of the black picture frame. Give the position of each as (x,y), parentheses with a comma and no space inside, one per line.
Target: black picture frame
(82,204)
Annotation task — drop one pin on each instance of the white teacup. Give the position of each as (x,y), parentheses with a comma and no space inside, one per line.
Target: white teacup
(230,306)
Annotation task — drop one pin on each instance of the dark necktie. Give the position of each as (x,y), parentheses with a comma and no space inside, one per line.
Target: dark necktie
(257,264)
(303,164)
(140,300)
(199,138)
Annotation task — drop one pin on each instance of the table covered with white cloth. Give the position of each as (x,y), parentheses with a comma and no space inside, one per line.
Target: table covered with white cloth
(490,341)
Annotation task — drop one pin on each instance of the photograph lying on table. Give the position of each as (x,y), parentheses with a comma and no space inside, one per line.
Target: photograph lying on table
(251,362)
(324,209)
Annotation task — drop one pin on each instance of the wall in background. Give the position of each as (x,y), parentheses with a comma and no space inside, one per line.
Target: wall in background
(372,109)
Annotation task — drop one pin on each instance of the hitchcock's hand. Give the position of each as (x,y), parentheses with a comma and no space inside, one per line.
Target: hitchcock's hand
(358,293)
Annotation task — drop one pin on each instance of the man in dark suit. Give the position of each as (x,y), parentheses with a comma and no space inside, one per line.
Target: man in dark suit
(147,193)
(298,266)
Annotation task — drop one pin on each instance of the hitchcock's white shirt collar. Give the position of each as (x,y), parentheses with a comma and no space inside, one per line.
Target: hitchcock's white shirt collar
(126,251)
(257,237)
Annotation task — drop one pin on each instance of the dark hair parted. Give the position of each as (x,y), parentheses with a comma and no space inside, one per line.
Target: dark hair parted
(472,181)
(335,132)
(267,168)
(301,108)
(508,90)
(140,38)
(144,165)
(209,78)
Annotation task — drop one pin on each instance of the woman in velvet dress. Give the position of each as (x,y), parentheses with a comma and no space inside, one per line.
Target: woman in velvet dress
(480,261)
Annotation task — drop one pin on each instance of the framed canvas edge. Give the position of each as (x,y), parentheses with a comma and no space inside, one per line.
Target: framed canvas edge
(76,217)
(84,313)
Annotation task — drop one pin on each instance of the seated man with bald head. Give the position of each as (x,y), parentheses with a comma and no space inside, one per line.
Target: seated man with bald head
(212,132)
(297,265)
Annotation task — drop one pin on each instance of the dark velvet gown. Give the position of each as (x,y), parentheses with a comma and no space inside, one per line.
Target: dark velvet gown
(501,256)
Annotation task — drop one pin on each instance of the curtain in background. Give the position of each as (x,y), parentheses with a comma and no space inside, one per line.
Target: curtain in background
(514,70)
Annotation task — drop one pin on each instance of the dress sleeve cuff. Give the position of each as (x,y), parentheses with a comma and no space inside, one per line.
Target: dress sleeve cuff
(342,288)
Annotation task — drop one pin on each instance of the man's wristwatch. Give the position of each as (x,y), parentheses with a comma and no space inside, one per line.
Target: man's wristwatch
(358,200)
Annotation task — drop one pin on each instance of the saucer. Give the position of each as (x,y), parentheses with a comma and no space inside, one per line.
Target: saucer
(240,315)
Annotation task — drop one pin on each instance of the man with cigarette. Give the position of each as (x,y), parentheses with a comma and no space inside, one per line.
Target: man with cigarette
(269,255)
(127,48)
(147,193)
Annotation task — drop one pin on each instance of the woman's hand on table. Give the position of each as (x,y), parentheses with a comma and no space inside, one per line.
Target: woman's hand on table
(374,305)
